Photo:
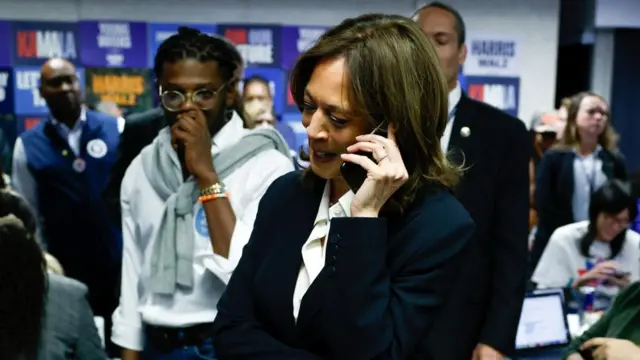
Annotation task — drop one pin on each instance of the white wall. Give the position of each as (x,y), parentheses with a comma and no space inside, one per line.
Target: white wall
(602,64)
(534,22)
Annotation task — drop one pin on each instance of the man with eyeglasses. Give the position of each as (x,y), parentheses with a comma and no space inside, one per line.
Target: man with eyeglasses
(188,203)
(141,128)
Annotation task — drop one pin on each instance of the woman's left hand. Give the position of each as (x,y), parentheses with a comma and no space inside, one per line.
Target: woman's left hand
(384,176)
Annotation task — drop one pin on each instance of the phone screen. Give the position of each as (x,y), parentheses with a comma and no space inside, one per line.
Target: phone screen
(355,174)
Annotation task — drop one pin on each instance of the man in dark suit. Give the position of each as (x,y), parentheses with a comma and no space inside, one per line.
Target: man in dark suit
(140,130)
(480,320)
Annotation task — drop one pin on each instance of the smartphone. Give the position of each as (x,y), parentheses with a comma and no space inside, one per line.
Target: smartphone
(586,354)
(355,174)
(621,275)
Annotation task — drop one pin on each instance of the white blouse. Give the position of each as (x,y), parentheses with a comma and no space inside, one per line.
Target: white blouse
(314,250)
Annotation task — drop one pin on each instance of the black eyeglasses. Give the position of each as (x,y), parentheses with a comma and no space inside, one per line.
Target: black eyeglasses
(205,99)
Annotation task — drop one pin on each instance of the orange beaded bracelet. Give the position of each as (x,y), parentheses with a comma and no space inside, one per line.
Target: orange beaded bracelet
(205,198)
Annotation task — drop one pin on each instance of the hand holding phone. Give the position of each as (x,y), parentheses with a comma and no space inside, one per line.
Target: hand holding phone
(355,174)
(383,175)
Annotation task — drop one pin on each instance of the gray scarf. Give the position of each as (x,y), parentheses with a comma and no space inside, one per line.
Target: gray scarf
(172,257)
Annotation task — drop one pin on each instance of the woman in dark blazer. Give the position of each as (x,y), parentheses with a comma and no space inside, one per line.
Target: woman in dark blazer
(370,286)
(584,159)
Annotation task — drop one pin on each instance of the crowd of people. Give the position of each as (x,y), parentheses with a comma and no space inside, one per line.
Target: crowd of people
(194,231)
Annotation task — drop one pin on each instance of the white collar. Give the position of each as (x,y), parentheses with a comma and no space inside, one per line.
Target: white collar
(324,213)
(230,133)
(454,97)
(77,125)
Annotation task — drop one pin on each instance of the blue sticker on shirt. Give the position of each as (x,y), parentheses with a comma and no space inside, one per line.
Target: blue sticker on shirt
(200,223)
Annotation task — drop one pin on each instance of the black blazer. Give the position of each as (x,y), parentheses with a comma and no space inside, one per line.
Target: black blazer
(139,131)
(383,282)
(486,302)
(554,191)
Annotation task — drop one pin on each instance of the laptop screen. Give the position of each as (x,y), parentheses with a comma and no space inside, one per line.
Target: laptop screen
(542,322)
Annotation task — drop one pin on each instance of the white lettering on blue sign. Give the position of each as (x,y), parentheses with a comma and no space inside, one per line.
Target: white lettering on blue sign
(501,96)
(259,49)
(28,81)
(56,44)
(4,81)
(114,36)
(307,37)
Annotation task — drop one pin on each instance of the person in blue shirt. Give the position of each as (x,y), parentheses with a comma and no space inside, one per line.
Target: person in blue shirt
(60,167)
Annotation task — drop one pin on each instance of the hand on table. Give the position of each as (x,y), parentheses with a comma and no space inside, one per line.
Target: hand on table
(486,352)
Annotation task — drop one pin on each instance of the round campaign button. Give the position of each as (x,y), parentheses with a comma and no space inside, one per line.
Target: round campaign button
(200,223)
(97,148)
(79,165)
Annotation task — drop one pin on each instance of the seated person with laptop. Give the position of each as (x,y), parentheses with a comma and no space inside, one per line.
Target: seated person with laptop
(616,335)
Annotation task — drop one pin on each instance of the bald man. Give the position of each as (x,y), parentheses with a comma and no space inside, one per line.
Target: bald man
(61,166)
(480,320)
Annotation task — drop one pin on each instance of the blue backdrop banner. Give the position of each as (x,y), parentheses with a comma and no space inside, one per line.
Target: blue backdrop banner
(26,122)
(36,42)
(501,92)
(6,91)
(296,40)
(159,32)
(6,39)
(114,44)
(26,80)
(259,45)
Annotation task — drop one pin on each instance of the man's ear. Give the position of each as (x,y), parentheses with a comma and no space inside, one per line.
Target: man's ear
(462,54)
(232,94)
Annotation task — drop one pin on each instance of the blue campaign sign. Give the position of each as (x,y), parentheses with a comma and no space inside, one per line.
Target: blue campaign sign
(27,99)
(258,44)
(26,122)
(294,122)
(500,92)
(36,42)
(290,105)
(6,39)
(296,40)
(6,91)
(277,84)
(159,32)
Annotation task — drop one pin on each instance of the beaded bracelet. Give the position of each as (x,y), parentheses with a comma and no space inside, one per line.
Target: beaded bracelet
(205,198)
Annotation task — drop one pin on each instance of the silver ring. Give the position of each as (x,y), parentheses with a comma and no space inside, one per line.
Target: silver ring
(382,158)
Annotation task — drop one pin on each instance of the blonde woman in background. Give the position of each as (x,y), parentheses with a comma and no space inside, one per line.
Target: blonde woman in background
(584,158)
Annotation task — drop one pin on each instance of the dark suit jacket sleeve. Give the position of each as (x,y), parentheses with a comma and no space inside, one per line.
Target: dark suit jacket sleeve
(89,345)
(237,334)
(548,213)
(509,246)
(381,313)
(132,140)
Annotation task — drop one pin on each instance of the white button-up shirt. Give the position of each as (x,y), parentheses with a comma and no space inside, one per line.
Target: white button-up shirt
(454,99)
(314,250)
(142,211)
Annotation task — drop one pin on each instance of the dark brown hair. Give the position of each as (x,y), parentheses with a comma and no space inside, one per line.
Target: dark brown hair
(24,282)
(394,77)
(571,136)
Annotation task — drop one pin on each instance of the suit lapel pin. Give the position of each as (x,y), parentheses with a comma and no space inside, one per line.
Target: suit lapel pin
(465,132)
